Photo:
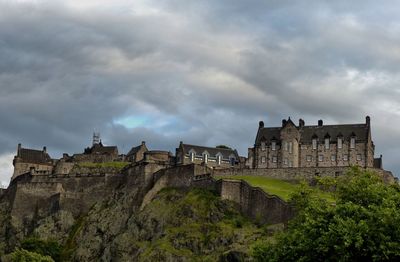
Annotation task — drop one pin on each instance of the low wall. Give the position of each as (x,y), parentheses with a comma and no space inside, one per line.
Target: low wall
(297,174)
(254,202)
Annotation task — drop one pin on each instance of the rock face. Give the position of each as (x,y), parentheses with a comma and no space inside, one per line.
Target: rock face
(103,218)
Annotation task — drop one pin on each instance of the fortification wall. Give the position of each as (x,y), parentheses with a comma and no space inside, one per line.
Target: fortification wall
(254,202)
(297,174)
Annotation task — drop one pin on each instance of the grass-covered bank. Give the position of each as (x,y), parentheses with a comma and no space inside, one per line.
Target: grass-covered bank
(273,186)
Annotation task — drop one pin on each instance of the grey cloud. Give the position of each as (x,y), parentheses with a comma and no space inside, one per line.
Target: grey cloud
(210,70)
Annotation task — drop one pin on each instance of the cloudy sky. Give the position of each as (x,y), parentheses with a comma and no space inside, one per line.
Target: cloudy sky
(204,72)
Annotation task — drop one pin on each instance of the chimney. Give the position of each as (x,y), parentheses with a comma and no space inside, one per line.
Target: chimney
(44,149)
(18,149)
(368,120)
(143,143)
(283,122)
(301,122)
(320,122)
(260,124)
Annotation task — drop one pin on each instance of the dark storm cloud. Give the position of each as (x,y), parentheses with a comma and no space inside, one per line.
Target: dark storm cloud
(199,71)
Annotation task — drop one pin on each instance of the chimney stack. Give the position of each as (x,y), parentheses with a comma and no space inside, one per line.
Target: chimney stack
(261,124)
(143,143)
(44,149)
(320,122)
(368,120)
(301,122)
(283,122)
(18,149)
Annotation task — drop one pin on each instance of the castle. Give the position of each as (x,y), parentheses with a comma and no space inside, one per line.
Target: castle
(319,145)
(289,146)
(42,186)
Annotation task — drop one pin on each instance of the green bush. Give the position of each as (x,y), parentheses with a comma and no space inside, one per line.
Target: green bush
(46,248)
(22,255)
(363,224)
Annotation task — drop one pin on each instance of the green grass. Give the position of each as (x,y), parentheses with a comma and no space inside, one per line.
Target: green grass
(118,165)
(277,187)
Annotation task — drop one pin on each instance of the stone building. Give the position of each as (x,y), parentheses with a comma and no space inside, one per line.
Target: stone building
(211,156)
(26,159)
(136,154)
(98,153)
(320,145)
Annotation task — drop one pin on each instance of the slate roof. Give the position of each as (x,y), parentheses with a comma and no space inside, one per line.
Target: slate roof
(34,156)
(100,149)
(308,132)
(135,149)
(212,151)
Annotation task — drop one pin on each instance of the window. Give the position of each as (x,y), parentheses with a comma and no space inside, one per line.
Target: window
(303,146)
(339,143)
(274,159)
(219,159)
(359,157)
(285,161)
(320,158)
(353,142)
(309,158)
(263,159)
(285,145)
(205,157)
(290,163)
(290,147)
(273,145)
(333,157)
(314,143)
(233,160)
(326,143)
(263,146)
(191,156)
(345,157)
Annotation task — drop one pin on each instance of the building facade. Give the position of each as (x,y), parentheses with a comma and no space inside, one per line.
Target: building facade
(26,159)
(211,156)
(290,146)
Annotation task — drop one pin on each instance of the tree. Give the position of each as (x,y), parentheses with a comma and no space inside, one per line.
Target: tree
(363,224)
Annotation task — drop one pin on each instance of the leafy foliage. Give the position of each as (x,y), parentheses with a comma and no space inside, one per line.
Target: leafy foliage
(22,255)
(363,225)
(42,247)
(115,164)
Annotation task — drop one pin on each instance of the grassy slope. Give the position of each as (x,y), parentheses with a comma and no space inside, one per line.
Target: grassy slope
(277,187)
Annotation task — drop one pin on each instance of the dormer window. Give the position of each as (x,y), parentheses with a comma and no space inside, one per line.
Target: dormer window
(219,158)
(327,143)
(314,143)
(352,142)
(290,147)
(205,157)
(273,145)
(191,156)
(339,142)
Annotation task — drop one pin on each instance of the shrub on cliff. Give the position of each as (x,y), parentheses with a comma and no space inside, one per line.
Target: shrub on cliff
(42,247)
(22,255)
(363,224)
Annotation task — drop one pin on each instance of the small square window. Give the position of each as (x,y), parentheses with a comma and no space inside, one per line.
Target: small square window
(345,157)
(274,159)
(273,146)
(320,158)
(263,159)
(309,158)
(333,157)
(359,157)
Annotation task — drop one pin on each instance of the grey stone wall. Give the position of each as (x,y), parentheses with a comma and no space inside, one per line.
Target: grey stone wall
(298,174)
(255,203)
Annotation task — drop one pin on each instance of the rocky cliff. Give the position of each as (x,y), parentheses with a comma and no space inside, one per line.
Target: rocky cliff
(103,219)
